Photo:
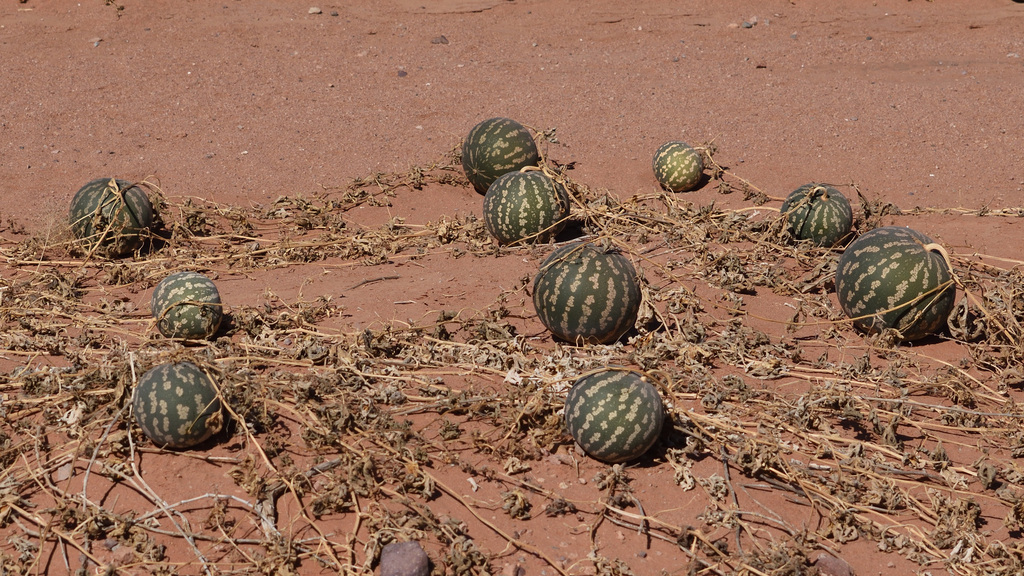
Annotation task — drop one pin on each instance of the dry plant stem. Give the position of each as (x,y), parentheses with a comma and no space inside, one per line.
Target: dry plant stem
(65,538)
(265,507)
(374,280)
(822,444)
(458,498)
(351,545)
(181,523)
(519,544)
(267,504)
(99,443)
(639,526)
(747,183)
(732,492)
(47,527)
(643,525)
(817,496)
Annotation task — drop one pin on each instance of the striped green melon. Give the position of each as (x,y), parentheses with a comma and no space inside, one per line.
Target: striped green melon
(187,305)
(819,213)
(678,167)
(177,406)
(584,294)
(495,147)
(110,217)
(614,414)
(525,207)
(895,277)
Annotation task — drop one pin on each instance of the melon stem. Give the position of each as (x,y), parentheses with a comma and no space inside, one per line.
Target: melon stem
(936,247)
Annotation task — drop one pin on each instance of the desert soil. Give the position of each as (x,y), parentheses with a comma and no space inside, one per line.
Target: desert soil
(241,107)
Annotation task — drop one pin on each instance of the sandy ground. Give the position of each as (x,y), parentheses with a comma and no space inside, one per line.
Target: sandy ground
(238,102)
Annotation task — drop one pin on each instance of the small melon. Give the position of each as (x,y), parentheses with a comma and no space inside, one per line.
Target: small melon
(187,305)
(495,147)
(819,213)
(614,414)
(110,217)
(585,294)
(896,277)
(525,207)
(177,406)
(678,166)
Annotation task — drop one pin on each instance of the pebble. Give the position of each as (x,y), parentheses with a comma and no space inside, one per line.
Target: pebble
(315,10)
(439,40)
(404,559)
(829,565)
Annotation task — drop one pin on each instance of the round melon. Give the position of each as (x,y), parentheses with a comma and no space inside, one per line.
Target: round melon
(176,405)
(819,213)
(110,217)
(584,294)
(495,147)
(525,207)
(678,167)
(187,305)
(615,415)
(895,277)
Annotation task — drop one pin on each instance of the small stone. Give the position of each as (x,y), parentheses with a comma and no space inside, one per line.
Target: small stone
(829,565)
(65,472)
(404,559)
(315,10)
(439,40)
(747,25)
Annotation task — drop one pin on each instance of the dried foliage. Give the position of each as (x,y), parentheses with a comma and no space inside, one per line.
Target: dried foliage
(340,443)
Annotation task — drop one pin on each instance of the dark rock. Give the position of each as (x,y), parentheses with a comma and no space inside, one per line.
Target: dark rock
(439,40)
(829,565)
(404,559)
